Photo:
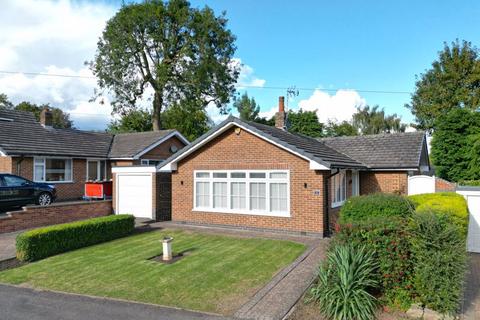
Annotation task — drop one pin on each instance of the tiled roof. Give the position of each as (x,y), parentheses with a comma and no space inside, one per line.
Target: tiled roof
(130,144)
(25,136)
(21,134)
(382,151)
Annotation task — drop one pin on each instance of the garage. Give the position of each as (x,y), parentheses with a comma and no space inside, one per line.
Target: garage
(472,195)
(134,191)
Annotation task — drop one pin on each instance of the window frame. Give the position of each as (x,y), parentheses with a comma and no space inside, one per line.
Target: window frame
(341,179)
(247,180)
(355,183)
(99,163)
(44,163)
(146,162)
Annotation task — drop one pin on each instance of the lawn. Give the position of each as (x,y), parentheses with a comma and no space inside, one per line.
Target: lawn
(218,273)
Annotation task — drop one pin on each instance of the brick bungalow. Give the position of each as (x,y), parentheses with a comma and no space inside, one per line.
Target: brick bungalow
(250,175)
(68,158)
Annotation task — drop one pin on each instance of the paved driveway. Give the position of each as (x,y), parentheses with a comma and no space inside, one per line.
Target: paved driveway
(7,245)
(22,303)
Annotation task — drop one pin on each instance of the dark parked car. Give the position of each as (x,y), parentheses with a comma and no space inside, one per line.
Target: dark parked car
(16,191)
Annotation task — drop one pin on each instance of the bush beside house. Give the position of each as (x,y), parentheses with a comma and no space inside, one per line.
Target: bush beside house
(44,242)
(420,252)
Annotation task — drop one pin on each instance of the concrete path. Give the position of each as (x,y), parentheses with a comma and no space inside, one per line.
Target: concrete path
(471,303)
(7,245)
(22,303)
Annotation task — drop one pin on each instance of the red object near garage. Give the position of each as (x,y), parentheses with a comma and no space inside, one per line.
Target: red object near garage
(98,190)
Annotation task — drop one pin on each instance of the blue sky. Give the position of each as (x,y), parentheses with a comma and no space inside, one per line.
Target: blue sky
(328,45)
(370,45)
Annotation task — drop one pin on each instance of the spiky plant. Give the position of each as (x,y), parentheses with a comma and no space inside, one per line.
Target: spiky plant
(344,284)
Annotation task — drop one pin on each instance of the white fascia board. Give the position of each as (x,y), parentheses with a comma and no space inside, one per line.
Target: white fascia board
(120,159)
(392,169)
(162,140)
(168,166)
(2,153)
(136,169)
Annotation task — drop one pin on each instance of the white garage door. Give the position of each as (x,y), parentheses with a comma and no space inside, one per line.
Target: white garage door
(472,195)
(134,194)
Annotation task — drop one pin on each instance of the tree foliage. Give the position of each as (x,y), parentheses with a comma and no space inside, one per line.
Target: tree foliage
(247,108)
(455,145)
(61,119)
(191,121)
(452,82)
(182,54)
(373,120)
(338,129)
(306,123)
(135,120)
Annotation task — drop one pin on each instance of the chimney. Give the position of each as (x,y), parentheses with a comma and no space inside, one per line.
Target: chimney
(281,115)
(46,118)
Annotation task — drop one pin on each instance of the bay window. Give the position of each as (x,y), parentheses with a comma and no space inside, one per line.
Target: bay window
(96,170)
(339,189)
(258,192)
(52,170)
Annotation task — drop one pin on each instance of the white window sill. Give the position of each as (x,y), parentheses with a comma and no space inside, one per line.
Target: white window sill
(245,212)
(338,204)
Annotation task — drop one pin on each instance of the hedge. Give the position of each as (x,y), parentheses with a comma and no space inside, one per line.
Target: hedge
(44,242)
(439,260)
(360,208)
(450,204)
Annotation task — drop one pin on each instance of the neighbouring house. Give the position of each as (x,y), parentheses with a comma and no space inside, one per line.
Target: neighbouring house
(68,158)
(249,175)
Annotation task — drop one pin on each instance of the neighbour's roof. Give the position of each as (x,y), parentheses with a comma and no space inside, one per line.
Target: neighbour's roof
(130,144)
(388,151)
(382,151)
(21,134)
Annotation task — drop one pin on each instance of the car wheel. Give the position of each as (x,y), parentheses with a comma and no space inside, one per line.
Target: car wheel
(44,199)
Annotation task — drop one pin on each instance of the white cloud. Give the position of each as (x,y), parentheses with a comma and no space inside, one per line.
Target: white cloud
(340,106)
(53,37)
(247,77)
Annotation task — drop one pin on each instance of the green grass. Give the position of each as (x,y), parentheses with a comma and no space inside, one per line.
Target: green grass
(218,275)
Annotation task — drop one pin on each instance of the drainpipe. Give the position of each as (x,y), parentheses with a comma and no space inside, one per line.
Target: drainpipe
(327,195)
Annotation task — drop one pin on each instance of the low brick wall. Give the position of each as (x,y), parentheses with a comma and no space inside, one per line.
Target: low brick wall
(442,185)
(62,212)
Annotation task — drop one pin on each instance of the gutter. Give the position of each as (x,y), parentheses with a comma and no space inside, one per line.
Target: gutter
(327,196)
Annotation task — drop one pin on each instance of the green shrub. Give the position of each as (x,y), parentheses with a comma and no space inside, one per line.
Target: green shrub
(474,183)
(364,207)
(439,255)
(388,238)
(450,204)
(345,282)
(44,242)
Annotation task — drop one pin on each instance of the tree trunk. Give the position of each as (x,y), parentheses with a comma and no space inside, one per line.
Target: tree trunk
(157,109)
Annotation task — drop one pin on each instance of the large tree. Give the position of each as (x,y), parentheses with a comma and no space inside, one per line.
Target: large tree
(181,54)
(247,108)
(373,120)
(135,120)
(5,103)
(456,145)
(190,120)
(452,82)
(338,129)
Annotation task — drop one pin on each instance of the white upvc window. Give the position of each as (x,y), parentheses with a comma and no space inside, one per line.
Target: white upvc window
(355,183)
(96,170)
(257,192)
(149,162)
(339,189)
(52,169)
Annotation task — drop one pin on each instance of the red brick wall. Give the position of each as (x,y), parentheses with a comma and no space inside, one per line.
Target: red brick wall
(442,185)
(32,217)
(383,181)
(163,150)
(6,164)
(246,151)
